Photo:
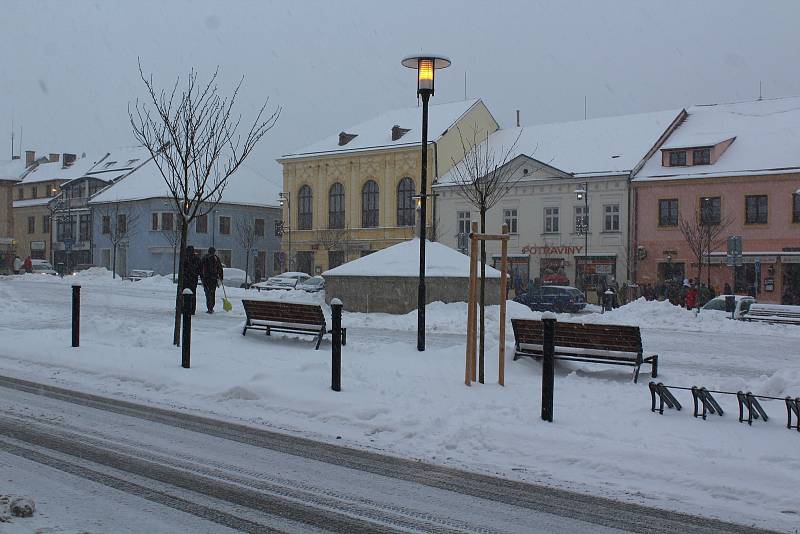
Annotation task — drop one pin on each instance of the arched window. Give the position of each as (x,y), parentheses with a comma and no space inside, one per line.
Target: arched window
(369,205)
(405,204)
(336,206)
(304,210)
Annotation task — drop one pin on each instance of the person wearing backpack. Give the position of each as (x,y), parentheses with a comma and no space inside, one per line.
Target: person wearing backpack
(210,274)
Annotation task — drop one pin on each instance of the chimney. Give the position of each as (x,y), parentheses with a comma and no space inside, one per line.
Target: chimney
(54,157)
(30,157)
(345,138)
(68,159)
(517,118)
(398,132)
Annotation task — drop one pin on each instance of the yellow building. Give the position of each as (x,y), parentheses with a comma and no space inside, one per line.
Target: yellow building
(351,193)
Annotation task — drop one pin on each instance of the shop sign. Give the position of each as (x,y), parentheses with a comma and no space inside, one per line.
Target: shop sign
(546,250)
(37,245)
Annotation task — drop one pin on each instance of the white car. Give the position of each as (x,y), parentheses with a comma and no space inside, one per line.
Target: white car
(283,281)
(42,267)
(137,274)
(233,277)
(312,285)
(743,303)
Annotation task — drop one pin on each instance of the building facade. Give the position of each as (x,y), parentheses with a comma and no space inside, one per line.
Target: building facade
(567,204)
(353,193)
(734,169)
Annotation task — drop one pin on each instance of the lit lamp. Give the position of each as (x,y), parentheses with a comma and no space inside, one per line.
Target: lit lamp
(426,66)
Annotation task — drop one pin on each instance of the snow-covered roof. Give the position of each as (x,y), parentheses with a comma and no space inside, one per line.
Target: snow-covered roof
(376,133)
(766,132)
(56,171)
(118,162)
(246,187)
(12,169)
(593,147)
(403,260)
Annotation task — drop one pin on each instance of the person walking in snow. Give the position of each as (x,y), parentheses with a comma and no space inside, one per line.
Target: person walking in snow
(191,271)
(691,296)
(27,265)
(211,274)
(17,265)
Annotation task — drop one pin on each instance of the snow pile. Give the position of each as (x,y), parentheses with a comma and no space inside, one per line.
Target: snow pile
(402,259)
(16,506)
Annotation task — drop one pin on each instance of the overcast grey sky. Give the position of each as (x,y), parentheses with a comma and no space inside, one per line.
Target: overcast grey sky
(68,69)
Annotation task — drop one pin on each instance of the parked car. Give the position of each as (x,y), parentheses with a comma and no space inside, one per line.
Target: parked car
(553,298)
(312,285)
(42,267)
(743,302)
(137,274)
(233,277)
(283,281)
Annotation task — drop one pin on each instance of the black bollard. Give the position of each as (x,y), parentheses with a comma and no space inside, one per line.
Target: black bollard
(76,315)
(730,305)
(186,341)
(336,348)
(548,364)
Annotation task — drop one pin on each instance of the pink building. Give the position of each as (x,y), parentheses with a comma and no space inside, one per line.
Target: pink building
(734,169)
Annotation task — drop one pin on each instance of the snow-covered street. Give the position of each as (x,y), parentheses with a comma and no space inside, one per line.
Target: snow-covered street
(399,401)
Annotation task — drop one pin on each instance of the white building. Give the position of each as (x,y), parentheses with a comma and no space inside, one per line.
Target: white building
(550,162)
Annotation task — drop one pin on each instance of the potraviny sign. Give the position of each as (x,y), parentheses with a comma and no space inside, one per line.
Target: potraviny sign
(556,250)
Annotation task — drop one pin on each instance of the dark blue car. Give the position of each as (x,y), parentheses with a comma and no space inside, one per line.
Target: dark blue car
(553,298)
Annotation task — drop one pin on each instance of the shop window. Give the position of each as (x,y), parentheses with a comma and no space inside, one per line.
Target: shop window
(756,209)
(611,221)
(668,212)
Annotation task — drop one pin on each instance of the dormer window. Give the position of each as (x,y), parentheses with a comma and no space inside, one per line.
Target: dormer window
(701,156)
(398,132)
(677,158)
(345,138)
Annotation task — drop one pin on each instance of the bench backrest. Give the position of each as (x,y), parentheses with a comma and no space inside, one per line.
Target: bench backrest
(620,338)
(778,310)
(284,312)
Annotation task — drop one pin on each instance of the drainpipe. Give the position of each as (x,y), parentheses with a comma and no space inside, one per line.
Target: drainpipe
(434,237)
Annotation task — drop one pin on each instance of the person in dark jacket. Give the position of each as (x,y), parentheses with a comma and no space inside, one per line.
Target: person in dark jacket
(727,290)
(210,274)
(191,271)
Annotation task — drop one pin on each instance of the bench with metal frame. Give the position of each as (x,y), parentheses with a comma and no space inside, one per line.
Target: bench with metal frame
(593,343)
(289,317)
(773,313)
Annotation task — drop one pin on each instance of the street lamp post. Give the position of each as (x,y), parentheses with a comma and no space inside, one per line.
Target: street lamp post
(285,197)
(582,193)
(426,66)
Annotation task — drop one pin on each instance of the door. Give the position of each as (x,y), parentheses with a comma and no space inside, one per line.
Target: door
(121,266)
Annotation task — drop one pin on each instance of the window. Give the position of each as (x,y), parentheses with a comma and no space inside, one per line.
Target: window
(154,224)
(581,220)
(668,212)
(304,214)
(335,258)
(64,228)
(85,227)
(405,202)
(34,192)
(710,210)
(369,205)
(46,224)
(224,225)
(336,206)
(611,218)
(755,209)
(31,224)
(701,156)
(796,208)
(106,222)
(258,227)
(201,224)
(20,193)
(677,158)
(95,186)
(510,218)
(224,257)
(464,223)
(551,220)
(167,222)
(277,262)
(122,224)
(105,258)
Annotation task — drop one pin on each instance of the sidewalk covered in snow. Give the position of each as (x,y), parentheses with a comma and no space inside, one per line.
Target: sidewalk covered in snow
(386,281)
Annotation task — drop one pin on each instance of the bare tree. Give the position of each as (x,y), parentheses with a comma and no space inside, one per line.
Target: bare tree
(120,225)
(703,235)
(246,236)
(172,234)
(483,176)
(193,135)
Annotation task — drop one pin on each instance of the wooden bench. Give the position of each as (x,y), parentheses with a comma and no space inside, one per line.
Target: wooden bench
(291,317)
(594,343)
(773,313)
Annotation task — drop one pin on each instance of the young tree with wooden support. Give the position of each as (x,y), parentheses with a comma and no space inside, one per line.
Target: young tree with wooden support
(471,360)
